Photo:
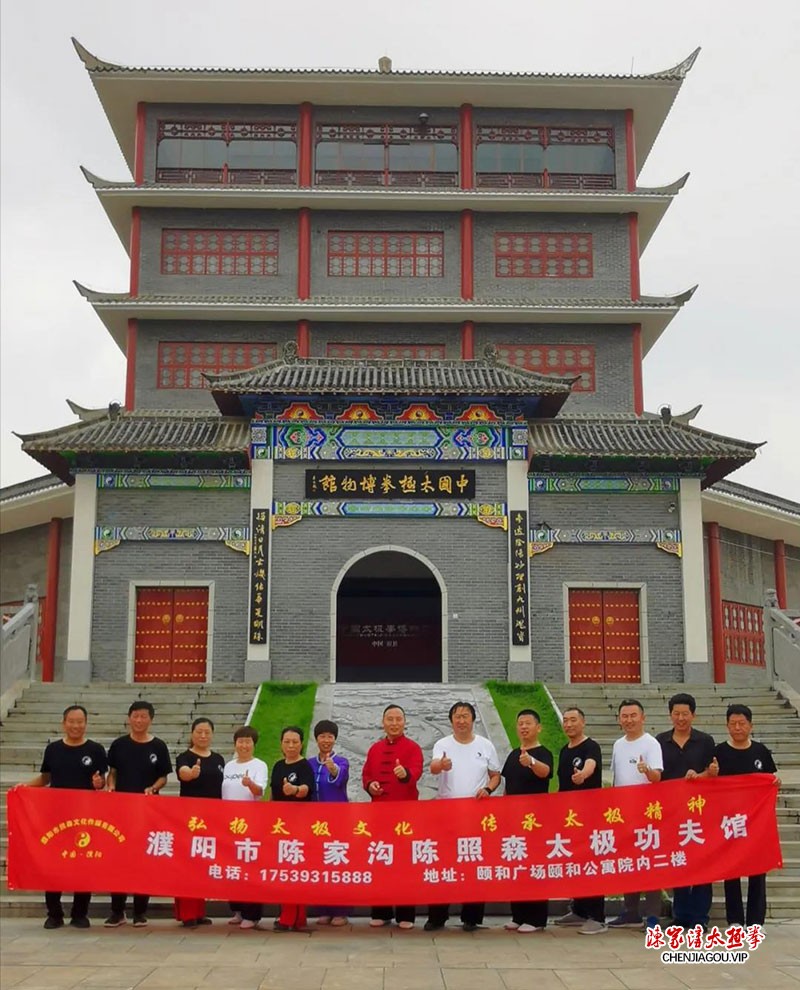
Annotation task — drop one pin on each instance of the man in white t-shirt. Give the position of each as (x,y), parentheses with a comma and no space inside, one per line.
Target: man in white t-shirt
(636,759)
(467,766)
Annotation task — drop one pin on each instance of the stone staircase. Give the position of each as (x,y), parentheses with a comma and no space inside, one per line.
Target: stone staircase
(36,719)
(775,723)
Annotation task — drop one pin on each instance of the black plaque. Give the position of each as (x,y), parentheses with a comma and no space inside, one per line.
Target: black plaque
(518,548)
(373,486)
(259,556)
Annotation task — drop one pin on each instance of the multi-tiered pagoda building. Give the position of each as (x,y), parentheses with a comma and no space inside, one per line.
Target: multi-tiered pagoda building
(384,416)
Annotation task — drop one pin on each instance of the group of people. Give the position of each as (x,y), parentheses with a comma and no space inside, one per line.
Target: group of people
(465,765)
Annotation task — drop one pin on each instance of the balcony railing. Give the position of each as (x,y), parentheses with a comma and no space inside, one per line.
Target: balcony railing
(543,180)
(227,176)
(396,180)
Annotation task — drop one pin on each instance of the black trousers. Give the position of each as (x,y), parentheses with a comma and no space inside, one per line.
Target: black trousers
(406,913)
(590,907)
(530,913)
(471,914)
(692,905)
(80,904)
(249,912)
(140,903)
(756,901)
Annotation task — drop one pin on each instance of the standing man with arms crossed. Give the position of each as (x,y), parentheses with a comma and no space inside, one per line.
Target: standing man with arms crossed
(688,754)
(636,759)
(467,767)
(580,768)
(78,763)
(139,764)
(739,755)
(391,772)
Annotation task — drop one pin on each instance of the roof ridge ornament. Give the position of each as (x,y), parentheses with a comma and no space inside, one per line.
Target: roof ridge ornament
(490,354)
(290,352)
(680,70)
(384,64)
(90,61)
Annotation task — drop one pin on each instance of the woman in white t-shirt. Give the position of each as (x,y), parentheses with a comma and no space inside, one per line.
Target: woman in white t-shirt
(244,779)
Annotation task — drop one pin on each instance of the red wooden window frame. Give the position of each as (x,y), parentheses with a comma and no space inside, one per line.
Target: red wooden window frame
(189,251)
(385,254)
(543,255)
(554,359)
(421,352)
(181,364)
(743,634)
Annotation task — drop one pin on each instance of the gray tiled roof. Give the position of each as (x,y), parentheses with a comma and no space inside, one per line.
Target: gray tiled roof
(389,377)
(757,497)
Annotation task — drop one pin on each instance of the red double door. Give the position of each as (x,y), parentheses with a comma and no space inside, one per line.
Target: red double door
(171,639)
(604,638)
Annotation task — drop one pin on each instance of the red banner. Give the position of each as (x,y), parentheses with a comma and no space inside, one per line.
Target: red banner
(558,845)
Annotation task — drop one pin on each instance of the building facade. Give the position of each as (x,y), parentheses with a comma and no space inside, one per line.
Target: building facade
(384,416)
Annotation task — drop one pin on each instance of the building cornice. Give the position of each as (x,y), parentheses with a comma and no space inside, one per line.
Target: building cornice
(120,88)
(119,198)
(764,517)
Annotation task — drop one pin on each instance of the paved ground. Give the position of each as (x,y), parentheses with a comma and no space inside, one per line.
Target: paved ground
(359,958)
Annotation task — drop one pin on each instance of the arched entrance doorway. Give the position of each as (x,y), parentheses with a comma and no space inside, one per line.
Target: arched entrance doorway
(389,619)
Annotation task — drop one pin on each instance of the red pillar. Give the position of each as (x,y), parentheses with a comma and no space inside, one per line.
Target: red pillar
(630,152)
(715,589)
(303,339)
(779,551)
(633,250)
(130,367)
(135,249)
(48,645)
(466,145)
(638,385)
(305,147)
(139,143)
(304,253)
(467,256)
(468,340)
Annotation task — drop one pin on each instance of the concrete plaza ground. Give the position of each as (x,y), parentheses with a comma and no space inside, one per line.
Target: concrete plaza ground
(167,957)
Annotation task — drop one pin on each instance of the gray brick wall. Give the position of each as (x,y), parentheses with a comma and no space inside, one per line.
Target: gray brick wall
(747,566)
(284,284)
(565,564)
(389,333)
(125,507)
(610,251)
(149,396)
(613,347)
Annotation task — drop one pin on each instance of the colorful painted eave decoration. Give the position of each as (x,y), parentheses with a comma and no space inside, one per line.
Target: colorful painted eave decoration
(491,514)
(668,540)
(235,537)
(176,480)
(620,484)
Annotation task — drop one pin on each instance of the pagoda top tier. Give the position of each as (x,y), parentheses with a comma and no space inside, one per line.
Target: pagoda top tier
(121,88)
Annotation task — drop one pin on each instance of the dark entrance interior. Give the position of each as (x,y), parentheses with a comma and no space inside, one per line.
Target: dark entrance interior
(389,621)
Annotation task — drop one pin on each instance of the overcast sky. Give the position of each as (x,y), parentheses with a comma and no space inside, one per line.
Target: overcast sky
(733,229)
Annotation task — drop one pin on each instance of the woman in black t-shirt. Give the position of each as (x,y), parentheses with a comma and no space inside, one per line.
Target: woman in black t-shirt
(200,773)
(292,780)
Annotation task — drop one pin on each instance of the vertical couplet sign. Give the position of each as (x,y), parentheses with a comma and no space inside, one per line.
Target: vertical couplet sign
(259,553)
(518,548)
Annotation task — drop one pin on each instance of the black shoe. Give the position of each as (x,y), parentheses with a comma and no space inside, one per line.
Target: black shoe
(51,922)
(470,926)
(204,921)
(279,927)
(139,921)
(80,923)
(114,920)
(190,924)
(432,926)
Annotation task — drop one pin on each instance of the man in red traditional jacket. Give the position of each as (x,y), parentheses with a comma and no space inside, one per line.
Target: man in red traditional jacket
(391,771)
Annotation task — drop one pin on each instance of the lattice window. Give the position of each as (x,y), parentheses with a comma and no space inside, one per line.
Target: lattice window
(392,254)
(554,359)
(397,351)
(181,365)
(743,634)
(219,252)
(543,255)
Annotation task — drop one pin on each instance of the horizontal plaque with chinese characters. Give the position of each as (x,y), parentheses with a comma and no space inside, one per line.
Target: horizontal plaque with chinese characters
(368,485)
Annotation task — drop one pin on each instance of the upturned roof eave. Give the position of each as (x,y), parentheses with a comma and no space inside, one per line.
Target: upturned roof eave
(120,88)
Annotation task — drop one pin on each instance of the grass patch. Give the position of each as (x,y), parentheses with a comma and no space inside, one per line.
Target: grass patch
(281,703)
(510,698)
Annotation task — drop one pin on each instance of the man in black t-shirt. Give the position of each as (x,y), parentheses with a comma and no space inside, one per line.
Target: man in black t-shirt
(688,754)
(77,763)
(580,768)
(741,755)
(528,770)
(139,764)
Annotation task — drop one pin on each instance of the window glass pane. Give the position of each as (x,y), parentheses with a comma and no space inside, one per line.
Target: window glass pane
(491,156)
(585,159)
(343,155)
(262,154)
(191,153)
(423,156)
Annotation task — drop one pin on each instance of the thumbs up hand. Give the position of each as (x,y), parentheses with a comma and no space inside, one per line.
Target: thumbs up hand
(641,766)
(288,789)
(399,771)
(196,769)
(447,763)
(246,780)
(333,770)
(712,770)
(98,781)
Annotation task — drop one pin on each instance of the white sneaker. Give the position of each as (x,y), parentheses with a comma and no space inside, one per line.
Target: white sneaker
(405,925)
(324,919)
(376,922)
(526,929)
(511,926)
(236,919)
(247,924)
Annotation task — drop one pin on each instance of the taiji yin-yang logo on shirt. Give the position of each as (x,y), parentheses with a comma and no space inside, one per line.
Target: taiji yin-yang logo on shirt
(86,760)
(758,764)
(153,758)
(576,762)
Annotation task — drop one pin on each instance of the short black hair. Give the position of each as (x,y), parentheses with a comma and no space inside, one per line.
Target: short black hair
(202,720)
(739,710)
(246,732)
(574,708)
(682,698)
(630,701)
(530,711)
(388,708)
(74,708)
(142,706)
(292,728)
(325,725)
(462,704)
